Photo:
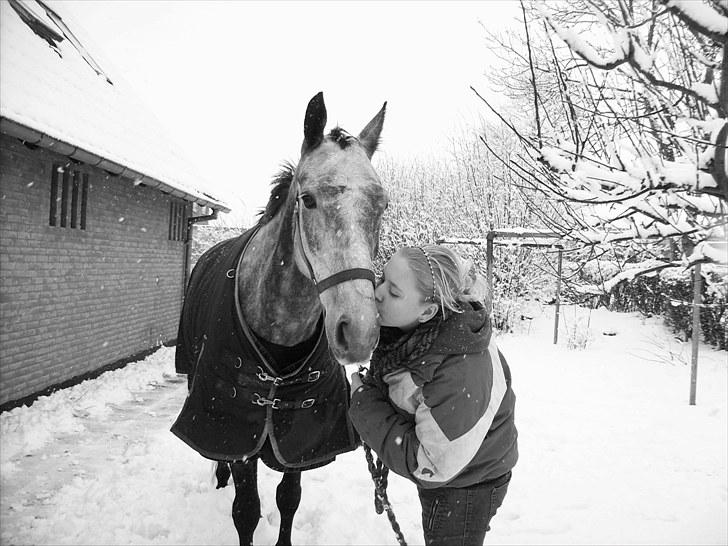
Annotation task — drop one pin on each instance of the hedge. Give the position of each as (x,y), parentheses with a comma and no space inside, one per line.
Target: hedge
(670,294)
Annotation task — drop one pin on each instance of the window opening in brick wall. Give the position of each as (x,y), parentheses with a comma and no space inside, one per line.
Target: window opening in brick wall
(64,197)
(177,221)
(74,200)
(54,199)
(69,198)
(84,200)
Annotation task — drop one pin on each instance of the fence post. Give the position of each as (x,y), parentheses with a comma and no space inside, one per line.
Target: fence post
(489,262)
(697,289)
(558,298)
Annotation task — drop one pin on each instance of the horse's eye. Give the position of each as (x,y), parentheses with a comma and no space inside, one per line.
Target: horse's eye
(308,201)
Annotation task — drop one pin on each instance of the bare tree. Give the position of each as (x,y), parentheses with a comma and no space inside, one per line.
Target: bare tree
(627,103)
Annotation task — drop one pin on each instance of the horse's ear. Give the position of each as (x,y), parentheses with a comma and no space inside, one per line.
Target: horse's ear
(314,123)
(369,137)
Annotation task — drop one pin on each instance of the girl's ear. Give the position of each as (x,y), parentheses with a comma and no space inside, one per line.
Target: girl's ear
(429,311)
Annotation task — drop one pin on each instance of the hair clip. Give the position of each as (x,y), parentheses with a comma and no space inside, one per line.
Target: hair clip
(432,272)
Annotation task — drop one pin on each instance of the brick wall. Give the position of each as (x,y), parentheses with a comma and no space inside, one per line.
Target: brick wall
(73,301)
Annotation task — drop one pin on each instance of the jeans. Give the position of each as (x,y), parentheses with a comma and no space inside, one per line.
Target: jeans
(460,516)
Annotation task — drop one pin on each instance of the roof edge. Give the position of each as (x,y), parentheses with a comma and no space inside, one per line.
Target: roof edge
(33,136)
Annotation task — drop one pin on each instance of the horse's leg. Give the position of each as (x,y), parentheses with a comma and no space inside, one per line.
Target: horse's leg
(288,497)
(246,506)
(222,473)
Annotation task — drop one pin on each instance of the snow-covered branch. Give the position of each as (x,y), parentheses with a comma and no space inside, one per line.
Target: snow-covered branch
(649,267)
(700,17)
(631,142)
(627,49)
(622,45)
(580,174)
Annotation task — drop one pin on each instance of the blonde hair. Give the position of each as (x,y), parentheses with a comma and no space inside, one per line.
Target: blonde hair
(445,278)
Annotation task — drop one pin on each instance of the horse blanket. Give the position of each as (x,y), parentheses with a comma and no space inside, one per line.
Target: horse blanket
(236,400)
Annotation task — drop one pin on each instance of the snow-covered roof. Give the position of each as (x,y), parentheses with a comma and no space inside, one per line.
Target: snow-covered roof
(57,93)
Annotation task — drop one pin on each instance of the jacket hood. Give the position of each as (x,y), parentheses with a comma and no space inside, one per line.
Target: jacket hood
(466,332)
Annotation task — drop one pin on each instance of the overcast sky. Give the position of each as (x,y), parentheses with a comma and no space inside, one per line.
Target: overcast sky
(230,80)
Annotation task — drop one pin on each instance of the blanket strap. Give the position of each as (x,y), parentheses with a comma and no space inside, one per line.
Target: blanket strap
(277,403)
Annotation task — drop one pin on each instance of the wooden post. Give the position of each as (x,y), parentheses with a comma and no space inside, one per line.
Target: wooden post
(489,262)
(558,298)
(697,289)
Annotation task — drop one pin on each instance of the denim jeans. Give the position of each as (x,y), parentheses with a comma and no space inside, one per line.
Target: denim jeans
(460,516)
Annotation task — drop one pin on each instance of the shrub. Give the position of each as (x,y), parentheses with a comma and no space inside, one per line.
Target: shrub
(670,294)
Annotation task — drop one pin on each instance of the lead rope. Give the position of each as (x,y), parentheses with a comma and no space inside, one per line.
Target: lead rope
(379,474)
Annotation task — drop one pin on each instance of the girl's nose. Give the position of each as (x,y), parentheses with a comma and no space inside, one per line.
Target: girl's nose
(378,293)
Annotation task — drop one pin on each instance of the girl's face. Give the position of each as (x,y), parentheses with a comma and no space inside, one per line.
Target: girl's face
(399,302)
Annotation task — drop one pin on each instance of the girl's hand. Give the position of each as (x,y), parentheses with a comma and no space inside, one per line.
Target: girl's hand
(355,382)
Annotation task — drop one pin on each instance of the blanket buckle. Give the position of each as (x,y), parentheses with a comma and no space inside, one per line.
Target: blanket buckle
(262,401)
(264,376)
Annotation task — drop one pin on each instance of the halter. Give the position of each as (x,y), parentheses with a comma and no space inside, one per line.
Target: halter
(336,278)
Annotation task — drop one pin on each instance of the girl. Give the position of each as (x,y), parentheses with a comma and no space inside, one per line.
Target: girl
(436,404)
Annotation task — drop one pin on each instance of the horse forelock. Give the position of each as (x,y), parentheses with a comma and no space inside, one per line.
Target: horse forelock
(341,137)
(281,185)
(282,181)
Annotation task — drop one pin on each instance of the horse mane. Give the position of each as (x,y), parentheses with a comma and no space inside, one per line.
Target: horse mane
(281,184)
(282,181)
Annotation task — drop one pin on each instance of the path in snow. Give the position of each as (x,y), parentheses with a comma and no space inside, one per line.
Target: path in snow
(611,453)
(106,441)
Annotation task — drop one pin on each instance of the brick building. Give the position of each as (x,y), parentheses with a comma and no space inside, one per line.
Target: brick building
(95,208)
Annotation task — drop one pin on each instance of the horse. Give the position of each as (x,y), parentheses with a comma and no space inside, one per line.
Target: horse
(271,317)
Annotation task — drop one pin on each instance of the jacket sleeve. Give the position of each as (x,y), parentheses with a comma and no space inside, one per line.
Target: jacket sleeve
(390,434)
(452,415)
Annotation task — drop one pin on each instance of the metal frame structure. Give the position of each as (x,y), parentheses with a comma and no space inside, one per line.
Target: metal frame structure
(518,237)
(550,239)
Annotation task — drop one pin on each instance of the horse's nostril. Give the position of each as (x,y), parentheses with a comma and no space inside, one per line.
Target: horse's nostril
(341,333)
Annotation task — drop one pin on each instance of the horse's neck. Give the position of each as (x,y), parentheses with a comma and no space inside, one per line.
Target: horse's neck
(277,301)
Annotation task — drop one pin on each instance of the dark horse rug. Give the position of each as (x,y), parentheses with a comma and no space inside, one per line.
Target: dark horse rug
(238,406)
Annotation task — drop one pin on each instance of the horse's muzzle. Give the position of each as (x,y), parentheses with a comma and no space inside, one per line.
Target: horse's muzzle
(354,340)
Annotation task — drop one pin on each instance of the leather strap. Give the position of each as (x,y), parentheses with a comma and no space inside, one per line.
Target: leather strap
(346,275)
(336,278)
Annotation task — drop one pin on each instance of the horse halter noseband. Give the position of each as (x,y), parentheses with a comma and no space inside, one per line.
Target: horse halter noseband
(336,278)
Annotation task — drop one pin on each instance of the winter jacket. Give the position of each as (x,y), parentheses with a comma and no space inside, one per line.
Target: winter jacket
(236,399)
(447,419)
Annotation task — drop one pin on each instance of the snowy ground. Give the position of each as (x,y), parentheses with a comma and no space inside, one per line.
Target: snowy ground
(611,453)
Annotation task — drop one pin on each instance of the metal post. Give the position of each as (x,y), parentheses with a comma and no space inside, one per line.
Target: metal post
(558,298)
(697,288)
(489,262)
